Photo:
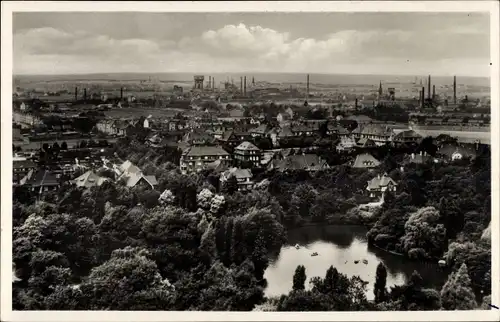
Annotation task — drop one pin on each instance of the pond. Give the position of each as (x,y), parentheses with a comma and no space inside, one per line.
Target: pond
(340,246)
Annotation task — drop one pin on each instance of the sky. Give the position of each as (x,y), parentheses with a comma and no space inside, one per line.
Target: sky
(443,44)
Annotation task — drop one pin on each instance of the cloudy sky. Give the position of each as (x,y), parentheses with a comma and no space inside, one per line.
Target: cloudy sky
(347,43)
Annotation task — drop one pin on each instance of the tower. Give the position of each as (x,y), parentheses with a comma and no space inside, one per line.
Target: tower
(213,82)
(433,92)
(76,93)
(209,81)
(198,81)
(245,87)
(380,89)
(121,93)
(253,81)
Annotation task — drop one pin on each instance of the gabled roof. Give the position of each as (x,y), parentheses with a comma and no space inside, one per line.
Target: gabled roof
(365,160)
(449,149)
(89,179)
(285,132)
(417,158)
(261,129)
(379,182)
(359,118)
(20,164)
(308,162)
(43,178)
(129,167)
(407,134)
(376,129)
(364,142)
(205,151)
(217,166)
(240,174)
(247,146)
(227,135)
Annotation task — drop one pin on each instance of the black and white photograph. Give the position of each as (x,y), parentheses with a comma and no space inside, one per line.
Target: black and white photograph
(250,161)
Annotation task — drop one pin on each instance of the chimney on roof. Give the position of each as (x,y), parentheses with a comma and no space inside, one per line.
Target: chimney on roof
(454,89)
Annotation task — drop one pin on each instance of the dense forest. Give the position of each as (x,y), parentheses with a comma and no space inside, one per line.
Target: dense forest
(194,244)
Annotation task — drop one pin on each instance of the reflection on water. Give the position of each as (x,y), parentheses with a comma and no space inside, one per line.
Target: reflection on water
(340,246)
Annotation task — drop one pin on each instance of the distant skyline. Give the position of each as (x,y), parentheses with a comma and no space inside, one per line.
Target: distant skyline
(441,44)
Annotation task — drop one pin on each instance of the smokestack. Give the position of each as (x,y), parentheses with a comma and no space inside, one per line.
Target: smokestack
(213,82)
(429,87)
(209,81)
(245,86)
(121,93)
(423,97)
(76,93)
(307,85)
(241,85)
(433,92)
(356,103)
(253,81)
(454,89)
(84,94)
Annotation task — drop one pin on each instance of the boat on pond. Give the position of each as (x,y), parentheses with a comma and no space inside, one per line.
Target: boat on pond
(314,254)
(297,246)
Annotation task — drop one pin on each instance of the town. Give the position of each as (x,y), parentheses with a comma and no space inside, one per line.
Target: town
(267,156)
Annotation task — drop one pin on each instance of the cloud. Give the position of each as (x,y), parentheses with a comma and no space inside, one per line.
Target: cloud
(237,47)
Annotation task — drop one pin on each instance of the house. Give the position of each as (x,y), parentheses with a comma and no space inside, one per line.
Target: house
(407,137)
(260,131)
(380,184)
(365,143)
(89,179)
(378,133)
(197,138)
(196,158)
(307,162)
(247,152)
(243,176)
(41,181)
(284,118)
(420,158)
(365,161)
(359,119)
(231,138)
(452,152)
(346,143)
(334,129)
(218,166)
(20,168)
(133,176)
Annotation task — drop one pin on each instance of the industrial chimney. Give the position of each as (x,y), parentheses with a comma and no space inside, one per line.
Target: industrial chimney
(121,93)
(213,82)
(245,87)
(307,85)
(429,87)
(85,94)
(356,103)
(241,85)
(455,90)
(76,93)
(433,92)
(423,97)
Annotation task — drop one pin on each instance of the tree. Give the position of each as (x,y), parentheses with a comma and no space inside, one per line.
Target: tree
(380,283)
(230,186)
(457,293)
(299,278)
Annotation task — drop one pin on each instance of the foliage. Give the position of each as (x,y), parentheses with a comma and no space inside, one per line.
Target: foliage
(457,293)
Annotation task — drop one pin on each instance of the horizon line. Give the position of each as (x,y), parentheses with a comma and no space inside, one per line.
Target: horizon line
(255,72)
